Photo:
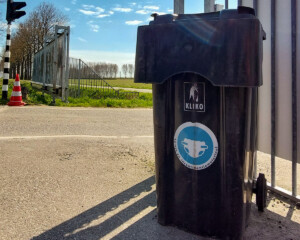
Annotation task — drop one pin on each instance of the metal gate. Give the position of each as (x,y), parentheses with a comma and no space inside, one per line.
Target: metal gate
(279,118)
(85,81)
(51,64)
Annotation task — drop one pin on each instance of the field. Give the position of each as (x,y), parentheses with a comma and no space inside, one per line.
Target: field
(127,83)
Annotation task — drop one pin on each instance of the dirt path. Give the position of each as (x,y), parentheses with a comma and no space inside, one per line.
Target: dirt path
(135,89)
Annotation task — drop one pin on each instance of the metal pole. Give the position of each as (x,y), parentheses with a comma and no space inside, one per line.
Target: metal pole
(255,6)
(55,59)
(79,73)
(179,6)
(45,64)
(6,64)
(240,3)
(209,6)
(226,4)
(273,90)
(62,80)
(294,95)
(67,64)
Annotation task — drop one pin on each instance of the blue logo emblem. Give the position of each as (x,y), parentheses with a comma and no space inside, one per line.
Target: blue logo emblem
(195,145)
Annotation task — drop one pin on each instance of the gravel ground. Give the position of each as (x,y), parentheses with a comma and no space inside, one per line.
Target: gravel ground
(83,173)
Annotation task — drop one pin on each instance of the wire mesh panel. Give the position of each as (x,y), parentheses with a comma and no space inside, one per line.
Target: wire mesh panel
(50,64)
(85,82)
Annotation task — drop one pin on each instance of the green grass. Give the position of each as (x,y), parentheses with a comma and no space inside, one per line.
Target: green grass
(118,82)
(89,98)
(128,83)
(34,97)
(144,100)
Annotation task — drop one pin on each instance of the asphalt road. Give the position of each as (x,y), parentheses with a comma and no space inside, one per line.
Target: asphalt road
(88,173)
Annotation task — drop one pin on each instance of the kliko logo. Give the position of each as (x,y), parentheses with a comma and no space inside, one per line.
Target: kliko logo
(194,96)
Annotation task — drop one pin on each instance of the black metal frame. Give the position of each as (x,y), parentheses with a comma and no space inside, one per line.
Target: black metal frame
(294,94)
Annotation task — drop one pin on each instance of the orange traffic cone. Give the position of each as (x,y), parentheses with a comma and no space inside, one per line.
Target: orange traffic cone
(16,96)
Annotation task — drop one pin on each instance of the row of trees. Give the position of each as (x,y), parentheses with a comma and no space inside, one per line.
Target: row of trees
(128,69)
(105,70)
(29,37)
(109,70)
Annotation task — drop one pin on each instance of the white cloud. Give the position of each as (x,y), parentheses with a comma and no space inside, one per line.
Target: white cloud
(86,12)
(102,56)
(86,6)
(160,13)
(81,39)
(143,11)
(103,15)
(120,9)
(99,9)
(147,10)
(74,1)
(91,10)
(94,27)
(111,12)
(150,19)
(67,9)
(151,7)
(134,22)
(170,10)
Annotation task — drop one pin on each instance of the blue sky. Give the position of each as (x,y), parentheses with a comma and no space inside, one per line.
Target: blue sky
(105,30)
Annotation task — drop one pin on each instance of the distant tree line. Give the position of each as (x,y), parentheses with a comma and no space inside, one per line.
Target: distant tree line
(105,70)
(29,37)
(110,70)
(128,70)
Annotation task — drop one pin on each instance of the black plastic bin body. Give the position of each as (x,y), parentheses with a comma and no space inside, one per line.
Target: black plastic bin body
(205,70)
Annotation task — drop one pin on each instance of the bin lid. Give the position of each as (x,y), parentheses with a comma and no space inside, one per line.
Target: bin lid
(224,47)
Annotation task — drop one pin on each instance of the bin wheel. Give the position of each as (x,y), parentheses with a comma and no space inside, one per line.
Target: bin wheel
(261,192)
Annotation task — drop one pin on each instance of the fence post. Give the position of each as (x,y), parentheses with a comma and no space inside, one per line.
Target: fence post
(209,6)
(67,64)
(179,6)
(44,64)
(63,70)
(79,75)
(55,59)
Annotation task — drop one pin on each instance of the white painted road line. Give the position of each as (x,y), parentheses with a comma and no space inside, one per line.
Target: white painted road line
(72,136)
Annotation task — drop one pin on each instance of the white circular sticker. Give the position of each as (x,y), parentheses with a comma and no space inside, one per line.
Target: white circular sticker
(195,145)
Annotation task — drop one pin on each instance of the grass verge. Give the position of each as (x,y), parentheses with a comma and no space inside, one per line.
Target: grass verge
(127,83)
(90,99)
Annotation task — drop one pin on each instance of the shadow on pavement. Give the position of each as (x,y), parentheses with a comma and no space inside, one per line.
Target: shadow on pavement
(77,227)
(276,222)
(262,226)
(130,223)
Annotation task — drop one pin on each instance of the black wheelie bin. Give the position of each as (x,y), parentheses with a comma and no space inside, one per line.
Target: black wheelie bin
(205,70)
